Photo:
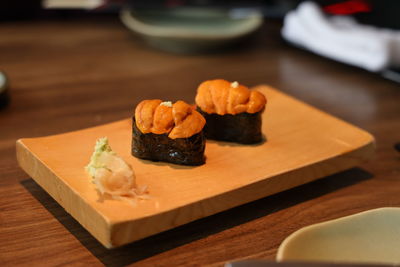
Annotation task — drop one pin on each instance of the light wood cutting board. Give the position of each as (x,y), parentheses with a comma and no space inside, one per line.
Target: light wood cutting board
(303,144)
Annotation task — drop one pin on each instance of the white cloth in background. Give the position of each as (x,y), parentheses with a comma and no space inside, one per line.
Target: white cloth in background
(342,38)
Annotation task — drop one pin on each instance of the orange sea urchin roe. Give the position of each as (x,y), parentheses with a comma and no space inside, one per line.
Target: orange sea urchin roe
(222,97)
(179,120)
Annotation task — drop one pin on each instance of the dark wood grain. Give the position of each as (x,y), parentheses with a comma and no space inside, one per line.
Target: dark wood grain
(68,75)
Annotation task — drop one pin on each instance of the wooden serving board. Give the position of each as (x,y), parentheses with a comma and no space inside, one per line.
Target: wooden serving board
(303,144)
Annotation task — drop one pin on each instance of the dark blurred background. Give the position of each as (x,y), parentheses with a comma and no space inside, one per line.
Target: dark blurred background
(383,13)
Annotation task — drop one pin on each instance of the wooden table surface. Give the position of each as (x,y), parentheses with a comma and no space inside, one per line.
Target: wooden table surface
(71,74)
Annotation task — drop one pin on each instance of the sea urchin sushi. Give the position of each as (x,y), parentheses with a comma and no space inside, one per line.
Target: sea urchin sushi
(162,131)
(232,111)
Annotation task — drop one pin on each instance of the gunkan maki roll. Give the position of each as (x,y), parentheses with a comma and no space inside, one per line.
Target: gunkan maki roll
(162,131)
(232,111)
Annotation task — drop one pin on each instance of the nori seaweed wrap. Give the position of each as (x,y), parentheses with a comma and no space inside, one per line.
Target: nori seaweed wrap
(232,111)
(243,128)
(175,134)
(159,147)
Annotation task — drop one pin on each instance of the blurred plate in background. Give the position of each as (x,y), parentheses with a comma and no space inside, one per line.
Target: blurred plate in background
(186,30)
